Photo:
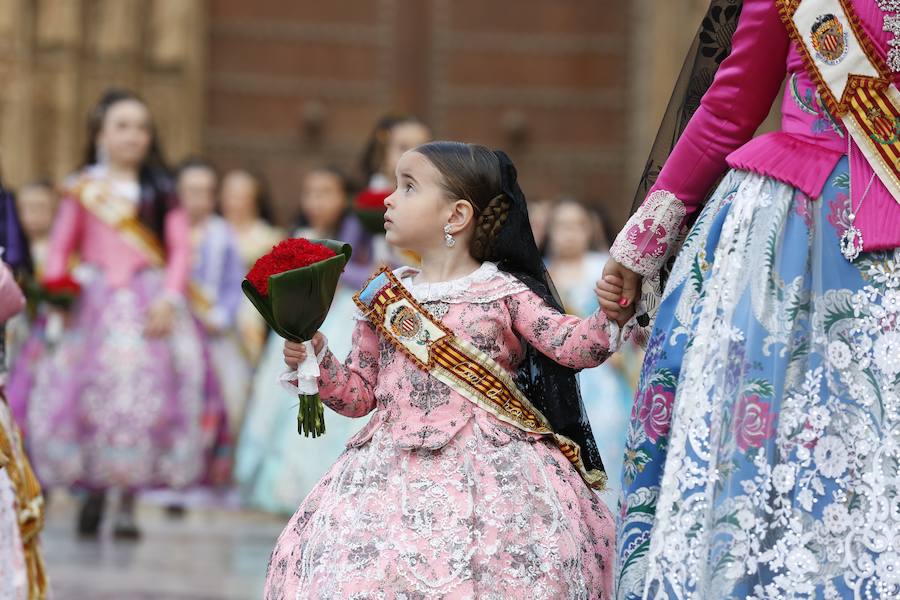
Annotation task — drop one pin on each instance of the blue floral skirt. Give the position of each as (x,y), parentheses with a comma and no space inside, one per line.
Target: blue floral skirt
(763,452)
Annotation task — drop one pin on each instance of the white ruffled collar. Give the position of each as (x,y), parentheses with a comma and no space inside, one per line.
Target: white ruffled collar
(485,284)
(470,288)
(481,274)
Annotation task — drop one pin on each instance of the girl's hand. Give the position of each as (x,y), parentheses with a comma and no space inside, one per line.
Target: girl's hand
(295,352)
(609,292)
(160,319)
(622,293)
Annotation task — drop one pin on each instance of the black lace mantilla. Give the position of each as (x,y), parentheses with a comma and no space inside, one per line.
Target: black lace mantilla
(711,46)
(551,388)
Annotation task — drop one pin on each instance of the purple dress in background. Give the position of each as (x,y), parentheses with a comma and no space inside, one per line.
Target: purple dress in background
(104,405)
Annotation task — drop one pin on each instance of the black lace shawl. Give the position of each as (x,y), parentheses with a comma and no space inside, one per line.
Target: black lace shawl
(711,46)
(551,388)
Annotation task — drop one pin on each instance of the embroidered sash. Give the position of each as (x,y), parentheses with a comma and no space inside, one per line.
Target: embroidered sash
(852,78)
(119,213)
(388,305)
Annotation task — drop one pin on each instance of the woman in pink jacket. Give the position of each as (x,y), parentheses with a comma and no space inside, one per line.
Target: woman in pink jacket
(117,401)
(763,450)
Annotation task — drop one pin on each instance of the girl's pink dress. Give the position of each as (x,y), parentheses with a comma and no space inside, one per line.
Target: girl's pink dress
(435,497)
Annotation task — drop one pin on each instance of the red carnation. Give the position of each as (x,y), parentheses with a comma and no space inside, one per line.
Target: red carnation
(286,256)
(59,291)
(292,287)
(371,200)
(65,285)
(369,209)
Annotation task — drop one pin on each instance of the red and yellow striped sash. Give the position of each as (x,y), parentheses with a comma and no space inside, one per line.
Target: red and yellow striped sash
(434,348)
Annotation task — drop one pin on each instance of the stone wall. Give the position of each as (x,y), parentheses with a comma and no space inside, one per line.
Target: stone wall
(58,56)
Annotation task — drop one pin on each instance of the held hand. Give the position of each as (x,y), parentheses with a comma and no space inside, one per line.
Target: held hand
(295,352)
(609,292)
(623,290)
(160,319)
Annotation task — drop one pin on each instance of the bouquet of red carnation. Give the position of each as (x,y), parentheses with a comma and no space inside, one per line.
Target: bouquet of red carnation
(369,208)
(292,288)
(60,292)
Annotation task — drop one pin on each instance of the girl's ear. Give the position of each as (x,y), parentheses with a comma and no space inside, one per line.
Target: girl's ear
(461,215)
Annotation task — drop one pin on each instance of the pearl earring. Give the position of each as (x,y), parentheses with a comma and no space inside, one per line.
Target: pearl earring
(448,239)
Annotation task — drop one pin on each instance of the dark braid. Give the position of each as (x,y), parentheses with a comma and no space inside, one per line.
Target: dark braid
(472,172)
(488,226)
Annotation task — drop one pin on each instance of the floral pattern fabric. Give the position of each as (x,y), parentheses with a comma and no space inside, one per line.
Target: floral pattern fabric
(106,406)
(436,498)
(763,450)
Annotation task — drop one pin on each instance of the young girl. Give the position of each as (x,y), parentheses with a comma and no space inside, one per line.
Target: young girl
(244,204)
(461,484)
(117,402)
(608,389)
(36,204)
(216,276)
(275,466)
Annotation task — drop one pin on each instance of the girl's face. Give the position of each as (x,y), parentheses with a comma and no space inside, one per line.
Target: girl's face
(197,192)
(403,137)
(570,231)
(126,133)
(418,209)
(239,191)
(37,205)
(323,202)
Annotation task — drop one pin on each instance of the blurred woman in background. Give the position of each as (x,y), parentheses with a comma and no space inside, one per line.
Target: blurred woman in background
(244,203)
(276,467)
(117,402)
(575,261)
(215,292)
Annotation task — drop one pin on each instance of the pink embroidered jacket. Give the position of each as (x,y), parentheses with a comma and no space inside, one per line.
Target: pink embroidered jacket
(492,310)
(77,231)
(718,136)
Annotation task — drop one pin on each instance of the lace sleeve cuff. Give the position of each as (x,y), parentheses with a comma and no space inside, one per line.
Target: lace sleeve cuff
(650,235)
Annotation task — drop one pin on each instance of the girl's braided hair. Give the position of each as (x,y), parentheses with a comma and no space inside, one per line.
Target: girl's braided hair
(472,172)
(488,179)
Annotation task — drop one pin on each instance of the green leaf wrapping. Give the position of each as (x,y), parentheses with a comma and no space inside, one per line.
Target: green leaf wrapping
(299,300)
(295,309)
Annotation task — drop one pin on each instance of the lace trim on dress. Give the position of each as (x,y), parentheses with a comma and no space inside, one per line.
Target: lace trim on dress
(651,234)
(890,8)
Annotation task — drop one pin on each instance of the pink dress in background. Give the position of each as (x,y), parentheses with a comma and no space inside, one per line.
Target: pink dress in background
(435,497)
(105,405)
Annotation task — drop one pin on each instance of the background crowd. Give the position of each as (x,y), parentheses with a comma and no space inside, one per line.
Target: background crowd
(237,443)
